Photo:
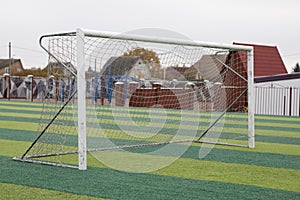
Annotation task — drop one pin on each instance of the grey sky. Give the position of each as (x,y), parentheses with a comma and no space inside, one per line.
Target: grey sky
(272,22)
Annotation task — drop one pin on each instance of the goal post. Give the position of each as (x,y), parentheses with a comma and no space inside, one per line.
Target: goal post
(81,85)
(135,94)
(251,97)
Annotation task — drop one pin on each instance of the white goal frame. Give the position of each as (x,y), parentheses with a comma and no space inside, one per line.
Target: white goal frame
(81,86)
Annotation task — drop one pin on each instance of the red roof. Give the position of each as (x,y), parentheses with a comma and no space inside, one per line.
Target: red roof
(267,60)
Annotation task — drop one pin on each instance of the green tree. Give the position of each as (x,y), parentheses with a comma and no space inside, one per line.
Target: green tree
(296,68)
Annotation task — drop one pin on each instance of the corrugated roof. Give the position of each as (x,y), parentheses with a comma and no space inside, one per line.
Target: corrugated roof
(267,60)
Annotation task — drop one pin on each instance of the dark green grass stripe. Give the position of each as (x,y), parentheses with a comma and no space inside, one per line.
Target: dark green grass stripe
(20,119)
(277,139)
(261,138)
(38,113)
(278,128)
(274,119)
(222,155)
(247,157)
(18,135)
(15,191)
(113,184)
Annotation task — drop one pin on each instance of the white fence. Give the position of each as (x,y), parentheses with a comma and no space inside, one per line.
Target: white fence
(277,101)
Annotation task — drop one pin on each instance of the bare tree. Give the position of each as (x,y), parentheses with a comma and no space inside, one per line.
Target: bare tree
(296,68)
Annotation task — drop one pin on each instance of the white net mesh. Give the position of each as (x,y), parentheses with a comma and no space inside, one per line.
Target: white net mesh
(141,94)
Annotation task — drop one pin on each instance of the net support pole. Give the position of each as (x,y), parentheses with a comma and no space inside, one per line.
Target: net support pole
(82,154)
(251,98)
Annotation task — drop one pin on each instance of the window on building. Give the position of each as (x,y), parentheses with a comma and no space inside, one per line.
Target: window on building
(7,70)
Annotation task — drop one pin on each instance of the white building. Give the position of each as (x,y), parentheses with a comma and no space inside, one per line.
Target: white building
(278,94)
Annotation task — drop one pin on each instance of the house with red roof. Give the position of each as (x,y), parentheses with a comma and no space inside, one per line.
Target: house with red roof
(267,60)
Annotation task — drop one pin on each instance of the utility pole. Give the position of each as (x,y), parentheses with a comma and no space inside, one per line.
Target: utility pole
(9,55)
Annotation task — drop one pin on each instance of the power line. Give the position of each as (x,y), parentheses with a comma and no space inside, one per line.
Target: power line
(27,49)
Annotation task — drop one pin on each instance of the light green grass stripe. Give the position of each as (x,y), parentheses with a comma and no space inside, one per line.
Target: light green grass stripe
(16,148)
(12,191)
(13,148)
(19,125)
(21,108)
(268,177)
(18,102)
(263,147)
(278,133)
(278,117)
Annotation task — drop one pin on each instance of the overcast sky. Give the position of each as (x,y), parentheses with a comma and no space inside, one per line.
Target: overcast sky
(271,22)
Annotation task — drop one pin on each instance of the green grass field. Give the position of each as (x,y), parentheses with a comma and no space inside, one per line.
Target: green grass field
(270,171)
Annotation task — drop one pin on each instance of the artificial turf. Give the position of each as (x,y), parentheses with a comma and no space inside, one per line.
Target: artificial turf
(270,171)
(108,183)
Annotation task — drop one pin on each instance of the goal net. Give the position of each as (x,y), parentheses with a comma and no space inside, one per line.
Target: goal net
(123,98)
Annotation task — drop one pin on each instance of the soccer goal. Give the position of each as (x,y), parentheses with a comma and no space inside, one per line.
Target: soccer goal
(138,94)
